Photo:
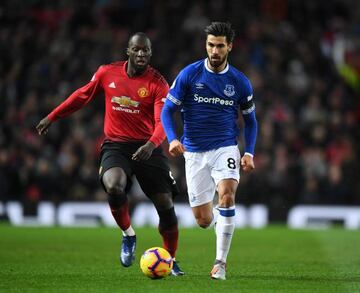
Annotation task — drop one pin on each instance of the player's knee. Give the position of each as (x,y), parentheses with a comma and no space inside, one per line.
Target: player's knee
(167,218)
(204,222)
(115,188)
(164,206)
(162,201)
(116,195)
(227,200)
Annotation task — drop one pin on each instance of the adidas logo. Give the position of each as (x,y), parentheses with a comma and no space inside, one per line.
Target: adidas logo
(112,85)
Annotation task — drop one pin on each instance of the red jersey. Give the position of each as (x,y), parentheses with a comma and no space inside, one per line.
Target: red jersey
(132,104)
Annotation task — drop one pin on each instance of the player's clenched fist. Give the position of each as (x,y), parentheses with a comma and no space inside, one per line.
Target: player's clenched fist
(176,148)
(247,163)
(43,126)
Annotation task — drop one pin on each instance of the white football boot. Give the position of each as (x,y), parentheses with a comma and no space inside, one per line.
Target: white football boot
(218,272)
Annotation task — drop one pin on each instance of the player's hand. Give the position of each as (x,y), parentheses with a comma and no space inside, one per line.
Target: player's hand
(43,126)
(144,152)
(176,148)
(247,163)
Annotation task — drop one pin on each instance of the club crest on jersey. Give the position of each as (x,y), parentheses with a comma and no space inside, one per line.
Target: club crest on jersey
(124,101)
(229,90)
(143,92)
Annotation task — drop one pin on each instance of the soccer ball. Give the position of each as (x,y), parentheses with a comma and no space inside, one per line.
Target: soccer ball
(156,263)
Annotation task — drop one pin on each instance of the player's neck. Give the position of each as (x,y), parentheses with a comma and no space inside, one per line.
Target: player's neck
(216,69)
(132,71)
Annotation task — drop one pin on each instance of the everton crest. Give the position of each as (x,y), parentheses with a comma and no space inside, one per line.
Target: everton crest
(229,90)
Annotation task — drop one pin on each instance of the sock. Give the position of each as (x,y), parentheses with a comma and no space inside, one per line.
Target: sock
(216,213)
(129,231)
(170,238)
(121,215)
(224,231)
(168,229)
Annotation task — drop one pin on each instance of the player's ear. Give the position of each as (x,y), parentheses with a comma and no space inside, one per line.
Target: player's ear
(127,51)
(230,47)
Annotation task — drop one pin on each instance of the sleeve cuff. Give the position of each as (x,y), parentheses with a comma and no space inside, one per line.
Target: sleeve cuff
(249,154)
(52,117)
(155,141)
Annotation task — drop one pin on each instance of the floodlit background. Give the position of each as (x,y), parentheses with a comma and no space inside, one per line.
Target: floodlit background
(302,57)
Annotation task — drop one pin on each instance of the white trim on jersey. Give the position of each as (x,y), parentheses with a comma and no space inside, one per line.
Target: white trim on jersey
(226,69)
(248,111)
(173,99)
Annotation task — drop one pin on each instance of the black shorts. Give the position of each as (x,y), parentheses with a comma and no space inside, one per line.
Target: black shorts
(153,175)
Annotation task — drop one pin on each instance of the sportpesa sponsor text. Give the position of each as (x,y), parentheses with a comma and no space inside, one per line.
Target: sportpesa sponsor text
(213,100)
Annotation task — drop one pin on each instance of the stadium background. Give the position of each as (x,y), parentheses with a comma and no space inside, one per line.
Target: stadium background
(302,58)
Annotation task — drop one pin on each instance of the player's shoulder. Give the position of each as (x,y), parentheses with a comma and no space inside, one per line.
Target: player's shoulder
(114,66)
(111,67)
(194,67)
(239,76)
(156,76)
(191,71)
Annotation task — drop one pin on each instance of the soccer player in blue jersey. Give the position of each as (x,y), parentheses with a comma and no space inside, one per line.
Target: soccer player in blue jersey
(209,93)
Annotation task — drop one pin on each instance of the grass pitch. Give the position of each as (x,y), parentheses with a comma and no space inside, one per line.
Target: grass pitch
(274,259)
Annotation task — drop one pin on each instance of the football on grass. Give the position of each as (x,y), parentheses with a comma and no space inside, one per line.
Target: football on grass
(156,263)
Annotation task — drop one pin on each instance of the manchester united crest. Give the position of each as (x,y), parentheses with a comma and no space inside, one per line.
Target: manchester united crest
(143,92)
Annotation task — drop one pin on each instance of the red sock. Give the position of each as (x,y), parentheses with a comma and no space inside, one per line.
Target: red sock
(170,239)
(121,215)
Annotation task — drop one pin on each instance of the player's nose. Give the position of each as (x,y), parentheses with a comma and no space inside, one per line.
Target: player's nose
(141,53)
(215,51)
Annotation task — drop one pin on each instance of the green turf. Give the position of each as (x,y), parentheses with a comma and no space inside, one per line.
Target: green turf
(274,259)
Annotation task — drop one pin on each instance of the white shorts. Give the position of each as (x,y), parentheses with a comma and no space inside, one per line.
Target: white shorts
(205,170)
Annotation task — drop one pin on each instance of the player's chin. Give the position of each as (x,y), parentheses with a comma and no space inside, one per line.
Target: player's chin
(216,63)
(141,65)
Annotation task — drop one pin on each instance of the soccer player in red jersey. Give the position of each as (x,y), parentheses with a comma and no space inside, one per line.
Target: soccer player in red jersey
(134,97)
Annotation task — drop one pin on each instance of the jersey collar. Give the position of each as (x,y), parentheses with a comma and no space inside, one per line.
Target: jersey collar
(135,76)
(221,72)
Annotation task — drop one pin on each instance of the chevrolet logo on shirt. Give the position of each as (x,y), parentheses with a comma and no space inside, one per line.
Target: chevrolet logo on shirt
(124,101)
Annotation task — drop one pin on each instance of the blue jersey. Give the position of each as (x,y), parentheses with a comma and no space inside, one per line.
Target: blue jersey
(209,105)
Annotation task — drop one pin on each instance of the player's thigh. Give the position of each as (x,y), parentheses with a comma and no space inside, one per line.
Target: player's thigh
(155,179)
(226,191)
(114,178)
(203,211)
(201,187)
(114,170)
(225,164)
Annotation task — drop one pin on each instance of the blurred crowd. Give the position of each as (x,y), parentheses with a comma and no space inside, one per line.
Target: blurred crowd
(302,57)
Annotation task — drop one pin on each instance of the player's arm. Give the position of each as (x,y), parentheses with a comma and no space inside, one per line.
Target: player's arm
(144,152)
(173,101)
(167,117)
(250,131)
(77,100)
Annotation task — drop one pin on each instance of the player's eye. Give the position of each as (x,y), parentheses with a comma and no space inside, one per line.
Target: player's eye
(145,50)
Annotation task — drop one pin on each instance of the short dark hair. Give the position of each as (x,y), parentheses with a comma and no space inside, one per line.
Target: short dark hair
(218,29)
(140,35)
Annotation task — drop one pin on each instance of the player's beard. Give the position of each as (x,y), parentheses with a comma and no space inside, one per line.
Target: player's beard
(217,63)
